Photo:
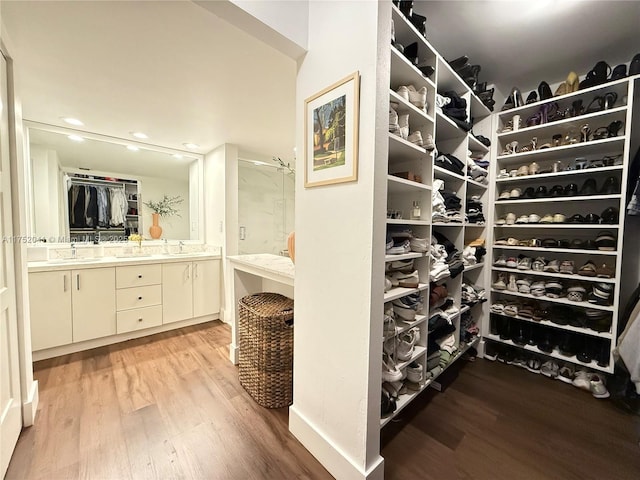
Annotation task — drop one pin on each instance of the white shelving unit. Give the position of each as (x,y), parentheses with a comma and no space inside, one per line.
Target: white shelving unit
(609,157)
(411,172)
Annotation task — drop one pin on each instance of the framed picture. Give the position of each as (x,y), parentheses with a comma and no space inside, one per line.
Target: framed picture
(331,122)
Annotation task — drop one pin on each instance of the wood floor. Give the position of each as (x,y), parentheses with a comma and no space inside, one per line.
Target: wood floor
(170,406)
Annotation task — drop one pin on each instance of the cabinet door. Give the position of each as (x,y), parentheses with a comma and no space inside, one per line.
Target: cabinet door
(50,306)
(94,303)
(206,287)
(177,292)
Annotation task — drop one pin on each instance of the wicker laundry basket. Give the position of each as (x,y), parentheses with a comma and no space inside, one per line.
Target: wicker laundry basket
(266,348)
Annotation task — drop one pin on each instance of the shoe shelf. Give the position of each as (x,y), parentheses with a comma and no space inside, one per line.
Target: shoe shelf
(399,292)
(587,94)
(417,117)
(556,250)
(446,129)
(404,256)
(402,221)
(406,398)
(569,328)
(562,301)
(604,117)
(570,173)
(404,73)
(571,226)
(596,148)
(579,198)
(402,185)
(399,148)
(555,354)
(447,224)
(406,33)
(406,325)
(564,276)
(475,225)
(476,145)
(418,351)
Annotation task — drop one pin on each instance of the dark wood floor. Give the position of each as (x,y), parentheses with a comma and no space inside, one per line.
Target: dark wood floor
(170,406)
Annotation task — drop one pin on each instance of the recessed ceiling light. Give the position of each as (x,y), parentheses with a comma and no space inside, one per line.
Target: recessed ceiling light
(75,138)
(140,135)
(191,146)
(132,148)
(72,121)
(178,156)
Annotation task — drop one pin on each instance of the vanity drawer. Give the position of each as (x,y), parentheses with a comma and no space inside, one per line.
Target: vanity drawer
(139,318)
(128,298)
(138,275)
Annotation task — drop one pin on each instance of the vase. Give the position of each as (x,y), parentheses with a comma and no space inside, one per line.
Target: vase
(155,230)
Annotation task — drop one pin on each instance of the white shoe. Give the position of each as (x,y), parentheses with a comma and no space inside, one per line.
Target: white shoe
(390,372)
(415,373)
(404,312)
(582,380)
(403,92)
(418,97)
(598,389)
(428,142)
(405,280)
(403,122)
(420,245)
(416,138)
(394,127)
(406,342)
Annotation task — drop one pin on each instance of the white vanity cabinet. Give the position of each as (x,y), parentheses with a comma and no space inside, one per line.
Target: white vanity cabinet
(190,289)
(50,295)
(71,306)
(93,300)
(138,297)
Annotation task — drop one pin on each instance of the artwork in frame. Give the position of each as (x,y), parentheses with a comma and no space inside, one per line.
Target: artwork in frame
(331,133)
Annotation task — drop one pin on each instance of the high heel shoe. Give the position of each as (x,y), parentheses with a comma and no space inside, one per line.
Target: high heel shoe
(614,127)
(619,71)
(573,82)
(532,97)
(517,97)
(610,100)
(596,76)
(585,133)
(576,108)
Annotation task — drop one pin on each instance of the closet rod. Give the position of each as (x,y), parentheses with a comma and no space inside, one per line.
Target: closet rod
(95,181)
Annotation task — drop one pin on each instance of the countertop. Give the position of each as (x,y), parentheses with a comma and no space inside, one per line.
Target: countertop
(82,263)
(274,264)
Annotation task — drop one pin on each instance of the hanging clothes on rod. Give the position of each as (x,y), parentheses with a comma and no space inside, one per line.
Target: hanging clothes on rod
(92,206)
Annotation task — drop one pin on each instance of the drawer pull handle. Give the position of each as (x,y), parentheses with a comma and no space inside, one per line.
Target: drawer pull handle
(140,319)
(139,276)
(139,298)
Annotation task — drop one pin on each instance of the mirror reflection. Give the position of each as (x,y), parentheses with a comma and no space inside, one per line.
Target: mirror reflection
(84,188)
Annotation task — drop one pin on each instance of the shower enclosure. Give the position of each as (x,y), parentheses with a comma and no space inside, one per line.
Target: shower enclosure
(265,206)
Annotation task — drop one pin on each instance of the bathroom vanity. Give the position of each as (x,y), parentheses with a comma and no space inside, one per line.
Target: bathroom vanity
(82,303)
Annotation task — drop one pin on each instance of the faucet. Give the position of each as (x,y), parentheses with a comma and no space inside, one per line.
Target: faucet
(73,250)
(180,245)
(165,246)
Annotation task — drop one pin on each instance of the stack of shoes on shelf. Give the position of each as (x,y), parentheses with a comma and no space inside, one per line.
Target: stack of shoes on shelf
(398,272)
(401,241)
(469,73)
(474,210)
(416,97)
(406,308)
(468,327)
(456,110)
(439,266)
(449,162)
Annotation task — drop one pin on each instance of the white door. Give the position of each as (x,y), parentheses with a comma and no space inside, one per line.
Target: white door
(206,287)
(93,301)
(50,306)
(10,403)
(177,292)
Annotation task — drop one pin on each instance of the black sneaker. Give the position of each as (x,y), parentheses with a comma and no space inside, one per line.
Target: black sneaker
(589,187)
(611,186)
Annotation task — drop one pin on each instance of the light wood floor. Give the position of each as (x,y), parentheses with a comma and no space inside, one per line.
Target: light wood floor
(170,406)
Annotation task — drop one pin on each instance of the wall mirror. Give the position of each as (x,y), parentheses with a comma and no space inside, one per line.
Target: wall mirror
(117,171)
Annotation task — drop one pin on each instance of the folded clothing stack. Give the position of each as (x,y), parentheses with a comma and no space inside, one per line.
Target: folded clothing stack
(454,258)
(439,266)
(472,294)
(474,210)
(438,208)
(450,163)
(475,171)
(453,204)
(468,327)
(456,110)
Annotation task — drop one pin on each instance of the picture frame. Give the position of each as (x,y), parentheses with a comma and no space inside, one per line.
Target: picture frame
(331,128)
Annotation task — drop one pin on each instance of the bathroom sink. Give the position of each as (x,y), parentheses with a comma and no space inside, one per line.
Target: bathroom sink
(72,260)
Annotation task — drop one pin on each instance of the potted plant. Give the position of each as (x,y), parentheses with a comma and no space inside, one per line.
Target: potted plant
(163,208)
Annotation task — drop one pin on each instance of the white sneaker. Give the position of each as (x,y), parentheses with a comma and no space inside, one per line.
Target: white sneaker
(418,97)
(403,92)
(512,286)
(394,126)
(598,389)
(403,122)
(420,245)
(390,372)
(405,280)
(416,138)
(415,373)
(387,284)
(404,312)
(406,342)
(582,380)
(428,142)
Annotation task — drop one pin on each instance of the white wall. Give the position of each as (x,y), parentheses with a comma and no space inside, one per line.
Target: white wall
(154,188)
(47,192)
(339,250)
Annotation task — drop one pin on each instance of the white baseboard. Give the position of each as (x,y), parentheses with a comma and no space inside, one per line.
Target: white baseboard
(30,406)
(233,353)
(328,454)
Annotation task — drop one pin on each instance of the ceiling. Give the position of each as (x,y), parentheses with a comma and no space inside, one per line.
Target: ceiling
(170,69)
(178,73)
(105,156)
(520,44)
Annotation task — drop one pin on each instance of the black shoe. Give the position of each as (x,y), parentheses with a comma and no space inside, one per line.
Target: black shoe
(459,62)
(596,76)
(620,71)
(529,192)
(592,218)
(589,187)
(634,66)
(557,191)
(610,216)
(542,192)
(577,218)
(610,186)
(604,354)
(571,190)
(586,352)
(532,97)
(519,338)
(545,343)
(411,53)
(406,7)
(420,23)
(567,345)
(426,70)
(544,91)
